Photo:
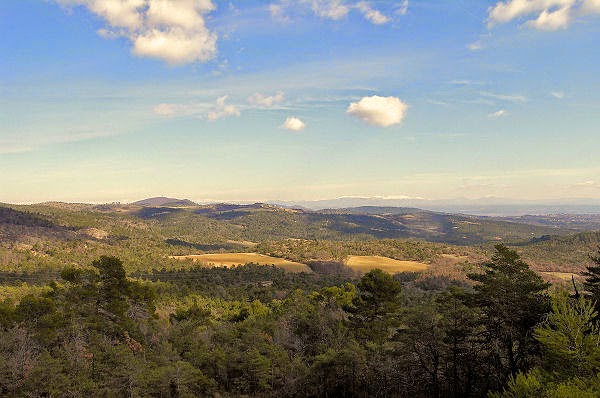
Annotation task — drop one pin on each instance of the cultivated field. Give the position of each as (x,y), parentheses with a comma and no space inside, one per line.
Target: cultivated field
(389,265)
(231,259)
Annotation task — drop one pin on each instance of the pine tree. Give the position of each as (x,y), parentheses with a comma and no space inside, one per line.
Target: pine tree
(592,280)
(375,307)
(513,300)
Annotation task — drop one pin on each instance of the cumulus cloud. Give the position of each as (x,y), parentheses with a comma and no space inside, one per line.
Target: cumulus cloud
(498,113)
(266,101)
(372,15)
(542,14)
(171,30)
(379,111)
(293,124)
(552,20)
(221,109)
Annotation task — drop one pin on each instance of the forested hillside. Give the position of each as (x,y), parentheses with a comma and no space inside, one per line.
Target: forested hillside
(259,331)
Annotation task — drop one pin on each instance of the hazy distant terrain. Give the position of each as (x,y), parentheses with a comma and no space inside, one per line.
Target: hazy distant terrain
(48,236)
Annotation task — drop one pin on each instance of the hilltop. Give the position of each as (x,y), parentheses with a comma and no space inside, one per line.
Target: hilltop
(162,201)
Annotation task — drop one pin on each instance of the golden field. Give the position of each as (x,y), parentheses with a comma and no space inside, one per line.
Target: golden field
(389,265)
(231,259)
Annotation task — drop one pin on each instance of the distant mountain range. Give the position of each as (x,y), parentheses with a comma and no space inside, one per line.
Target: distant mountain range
(493,207)
(161,201)
(483,207)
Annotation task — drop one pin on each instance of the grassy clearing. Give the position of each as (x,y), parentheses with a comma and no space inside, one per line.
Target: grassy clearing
(231,259)
(565,276)
(390,265)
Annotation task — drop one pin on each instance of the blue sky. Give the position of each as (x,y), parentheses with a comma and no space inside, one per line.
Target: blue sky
(116,100)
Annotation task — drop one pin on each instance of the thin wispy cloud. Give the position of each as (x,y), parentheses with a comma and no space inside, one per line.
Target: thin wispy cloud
(515,98)
(402,8)
(371,14)
(334,10)
(497,114)
(266,101)
(165,109)
(221,109)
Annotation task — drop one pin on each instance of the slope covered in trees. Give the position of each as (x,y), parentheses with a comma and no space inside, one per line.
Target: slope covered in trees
(261,332)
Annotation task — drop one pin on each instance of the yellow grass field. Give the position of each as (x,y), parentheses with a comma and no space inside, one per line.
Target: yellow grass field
(566,276)
(389,265)
(230,259)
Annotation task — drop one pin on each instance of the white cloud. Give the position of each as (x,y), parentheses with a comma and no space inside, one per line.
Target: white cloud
(402,9)
(221,109)
(265,101)
(277,13)
(547,15)
(591,6)
(293,124)
(165,109)
(516,98)
(589,183)
(171,30)
(475,46)
(108,34)
(558,94)
(552,20)
(176,46)
(498,113)
(332,9)
(372,15)
(379,111)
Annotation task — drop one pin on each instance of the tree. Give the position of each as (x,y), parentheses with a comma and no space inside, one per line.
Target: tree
(376,306)
(592,280)
(570,340)
(114,286)
(513,300)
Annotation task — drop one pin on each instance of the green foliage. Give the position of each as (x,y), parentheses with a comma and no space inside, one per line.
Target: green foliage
(592,280)
(570,340)
(376,306)
(173,329)
(512,299)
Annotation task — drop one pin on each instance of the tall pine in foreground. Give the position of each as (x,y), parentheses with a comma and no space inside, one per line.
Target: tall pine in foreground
(375,307)
(592,280)
(570,362)
(513,300)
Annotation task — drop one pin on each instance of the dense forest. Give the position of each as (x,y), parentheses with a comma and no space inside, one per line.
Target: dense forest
(257,331)
(91,303)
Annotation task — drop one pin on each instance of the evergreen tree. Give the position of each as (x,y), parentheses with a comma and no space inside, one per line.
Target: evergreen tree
(592,280)
(376,306)
(570,340)
(513,300)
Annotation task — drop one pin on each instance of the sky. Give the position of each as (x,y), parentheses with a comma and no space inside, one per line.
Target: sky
(118,100)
